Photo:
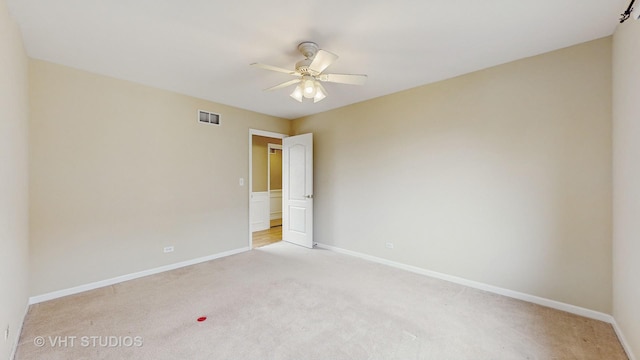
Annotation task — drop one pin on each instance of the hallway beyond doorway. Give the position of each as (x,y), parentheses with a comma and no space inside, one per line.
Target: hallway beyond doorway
(269,236)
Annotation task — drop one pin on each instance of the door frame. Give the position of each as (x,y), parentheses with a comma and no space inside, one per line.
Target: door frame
(264,133)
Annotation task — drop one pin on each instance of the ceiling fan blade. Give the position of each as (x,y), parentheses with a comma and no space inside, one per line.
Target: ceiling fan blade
(275,68)
(283,85)
(351,79)
(322,60)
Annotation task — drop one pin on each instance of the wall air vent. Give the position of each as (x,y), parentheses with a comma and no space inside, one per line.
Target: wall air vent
(208,117)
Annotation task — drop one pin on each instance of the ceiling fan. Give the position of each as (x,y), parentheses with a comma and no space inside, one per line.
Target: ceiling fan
(309,73)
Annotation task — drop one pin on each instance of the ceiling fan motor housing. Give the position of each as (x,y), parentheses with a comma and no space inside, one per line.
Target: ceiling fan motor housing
(302,67)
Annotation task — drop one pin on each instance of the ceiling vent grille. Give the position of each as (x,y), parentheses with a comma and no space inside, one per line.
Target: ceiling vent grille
(208,117)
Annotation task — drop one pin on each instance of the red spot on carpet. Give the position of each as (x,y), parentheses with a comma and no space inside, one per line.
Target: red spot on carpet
(202,318)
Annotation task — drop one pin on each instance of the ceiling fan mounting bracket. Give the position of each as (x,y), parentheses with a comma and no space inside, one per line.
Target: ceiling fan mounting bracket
(308,49)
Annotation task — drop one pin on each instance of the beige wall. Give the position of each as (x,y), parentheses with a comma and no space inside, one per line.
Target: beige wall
(626,181)
(259,160)
(14,225)
(120,170)
(501,176)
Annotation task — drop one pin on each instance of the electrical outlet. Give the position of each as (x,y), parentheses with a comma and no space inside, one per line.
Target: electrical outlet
(167,249)
(389,245)
(6,333)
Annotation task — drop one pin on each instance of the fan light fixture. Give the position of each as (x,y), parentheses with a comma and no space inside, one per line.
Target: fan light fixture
(320,93)
(297,93)
(310,74)
(309,88)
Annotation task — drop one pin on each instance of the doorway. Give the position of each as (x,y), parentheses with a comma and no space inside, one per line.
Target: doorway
(265,188)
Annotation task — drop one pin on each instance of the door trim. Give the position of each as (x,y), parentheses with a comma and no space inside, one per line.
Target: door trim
(264,133)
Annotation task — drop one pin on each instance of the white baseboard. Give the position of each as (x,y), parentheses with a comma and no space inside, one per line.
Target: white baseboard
(102,283)
(482,286)
(18,333)
(623,340)
(497,290)
(470,283)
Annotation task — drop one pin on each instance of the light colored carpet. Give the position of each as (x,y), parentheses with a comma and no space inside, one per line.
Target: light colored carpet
(287,302)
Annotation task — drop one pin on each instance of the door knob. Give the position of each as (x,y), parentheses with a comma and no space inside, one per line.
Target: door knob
(309,196)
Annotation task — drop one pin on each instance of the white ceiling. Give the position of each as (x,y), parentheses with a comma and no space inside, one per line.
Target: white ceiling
(203,48)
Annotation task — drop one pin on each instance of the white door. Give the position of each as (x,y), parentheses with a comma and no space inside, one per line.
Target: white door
(297,190)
